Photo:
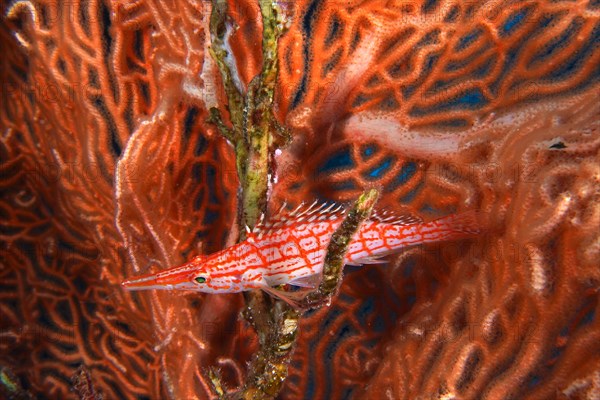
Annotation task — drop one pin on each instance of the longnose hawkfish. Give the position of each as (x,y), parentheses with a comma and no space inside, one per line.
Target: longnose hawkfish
(290,249)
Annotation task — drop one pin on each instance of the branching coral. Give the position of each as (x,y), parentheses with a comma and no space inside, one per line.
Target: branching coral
(510,314)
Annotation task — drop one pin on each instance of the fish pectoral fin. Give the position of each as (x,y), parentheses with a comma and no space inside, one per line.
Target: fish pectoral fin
(291,298)
(354,264)
(308,281)
(369,260)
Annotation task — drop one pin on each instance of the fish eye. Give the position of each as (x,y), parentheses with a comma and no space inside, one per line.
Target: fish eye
(200,279)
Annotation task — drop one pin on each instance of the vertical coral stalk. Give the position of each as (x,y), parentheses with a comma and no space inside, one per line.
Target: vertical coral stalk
(259,121)
(254,130)
(254,127)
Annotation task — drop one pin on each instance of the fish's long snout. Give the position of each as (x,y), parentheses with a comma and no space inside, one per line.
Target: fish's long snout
(142,283)
(179,278)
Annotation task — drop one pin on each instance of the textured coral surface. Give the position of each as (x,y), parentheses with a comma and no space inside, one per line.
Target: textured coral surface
(109,168)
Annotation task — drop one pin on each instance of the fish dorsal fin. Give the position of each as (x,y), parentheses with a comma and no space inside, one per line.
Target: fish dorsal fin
(317,211)
(390,217)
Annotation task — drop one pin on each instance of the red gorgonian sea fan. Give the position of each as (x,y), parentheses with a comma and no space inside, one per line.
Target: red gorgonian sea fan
(109,168)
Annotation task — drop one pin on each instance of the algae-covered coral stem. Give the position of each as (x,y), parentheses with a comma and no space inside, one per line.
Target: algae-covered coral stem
(254,129)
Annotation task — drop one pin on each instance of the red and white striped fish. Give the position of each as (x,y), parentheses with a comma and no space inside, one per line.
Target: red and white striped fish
(290,249)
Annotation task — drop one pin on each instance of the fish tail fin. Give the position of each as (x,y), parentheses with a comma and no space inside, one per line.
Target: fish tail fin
(462,225)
